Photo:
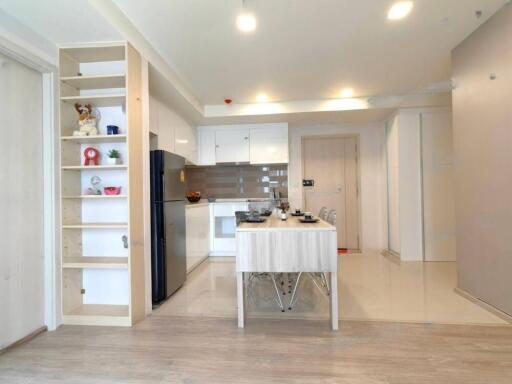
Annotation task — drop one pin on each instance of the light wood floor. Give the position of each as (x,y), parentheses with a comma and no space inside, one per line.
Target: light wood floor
(213,350)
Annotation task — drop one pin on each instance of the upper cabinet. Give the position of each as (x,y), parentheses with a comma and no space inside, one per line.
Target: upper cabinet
(269,144)
(206,146)
(248,143)
(175,135)
(232,145)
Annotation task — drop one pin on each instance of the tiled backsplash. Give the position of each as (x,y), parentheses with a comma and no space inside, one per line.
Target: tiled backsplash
(238,181)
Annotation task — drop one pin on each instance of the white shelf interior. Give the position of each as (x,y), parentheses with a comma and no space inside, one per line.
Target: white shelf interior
(95,139)
(94,227)
(95,81)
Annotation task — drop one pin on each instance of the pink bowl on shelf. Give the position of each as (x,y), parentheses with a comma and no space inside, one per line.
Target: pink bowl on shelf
(112,190)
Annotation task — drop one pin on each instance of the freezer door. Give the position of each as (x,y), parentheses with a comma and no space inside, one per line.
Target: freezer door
(174,177)
(175,245)
(157,253)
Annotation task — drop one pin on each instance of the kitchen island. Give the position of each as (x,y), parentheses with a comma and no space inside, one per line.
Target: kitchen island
(277,246)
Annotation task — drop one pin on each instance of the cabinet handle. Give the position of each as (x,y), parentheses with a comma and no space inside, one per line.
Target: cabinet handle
(246,138)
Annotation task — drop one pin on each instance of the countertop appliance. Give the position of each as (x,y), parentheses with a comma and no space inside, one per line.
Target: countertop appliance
(168,229)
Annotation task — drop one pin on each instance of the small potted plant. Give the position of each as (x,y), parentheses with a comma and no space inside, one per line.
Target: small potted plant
(114,157)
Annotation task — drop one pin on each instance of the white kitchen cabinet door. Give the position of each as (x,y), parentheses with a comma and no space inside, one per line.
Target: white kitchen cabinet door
(206,141)
(232,145)
(269,144)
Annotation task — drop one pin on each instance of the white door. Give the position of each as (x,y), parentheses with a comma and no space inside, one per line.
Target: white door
(232,145)
(438,200)
(331,163)
(21,202)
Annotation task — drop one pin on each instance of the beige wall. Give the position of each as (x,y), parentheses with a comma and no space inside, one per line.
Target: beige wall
(482,110)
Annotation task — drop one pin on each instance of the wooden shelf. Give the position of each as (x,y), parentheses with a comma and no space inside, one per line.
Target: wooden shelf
(93,167)
(95,82)
(96,262)
(95,139)
(98,314)
(98,53)
(106,100)
(95,226)
(96,197)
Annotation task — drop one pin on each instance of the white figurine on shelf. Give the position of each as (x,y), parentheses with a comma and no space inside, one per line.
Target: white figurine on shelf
(86,122)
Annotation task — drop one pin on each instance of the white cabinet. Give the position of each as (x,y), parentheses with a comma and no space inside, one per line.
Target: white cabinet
(206,145)
(198,234)
(175,135)
(269,144)
(232,145)
(246,143)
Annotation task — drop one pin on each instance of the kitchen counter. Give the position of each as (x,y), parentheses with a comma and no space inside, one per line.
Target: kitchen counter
(277,246)
(274,223)
(200,203)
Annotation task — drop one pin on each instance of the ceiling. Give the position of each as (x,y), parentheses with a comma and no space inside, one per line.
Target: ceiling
(303,49)
(61,21)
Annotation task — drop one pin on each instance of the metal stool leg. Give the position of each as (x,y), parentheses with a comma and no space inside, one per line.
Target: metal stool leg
(294,293)
(280,301)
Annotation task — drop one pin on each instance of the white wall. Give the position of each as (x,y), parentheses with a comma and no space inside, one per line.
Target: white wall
(405,124)
(393,173)
(175,134)
(438,185)
(419,179)
(22,262)
(372,168)
(17,33)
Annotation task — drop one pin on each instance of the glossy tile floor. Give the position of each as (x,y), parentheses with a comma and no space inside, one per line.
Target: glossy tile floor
(372,287)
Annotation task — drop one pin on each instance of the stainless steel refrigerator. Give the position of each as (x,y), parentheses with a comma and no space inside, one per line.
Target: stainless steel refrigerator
(168,229)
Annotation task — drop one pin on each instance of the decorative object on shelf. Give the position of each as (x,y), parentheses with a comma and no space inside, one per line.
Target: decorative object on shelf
(212,199)
(283,215)
(112,191)
(124,239)
(194,197)
(87,121)
(114,157)
(95,188)
(112,130)
(91,156)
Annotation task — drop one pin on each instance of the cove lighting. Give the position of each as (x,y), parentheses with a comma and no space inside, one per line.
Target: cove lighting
(400,10)
(346,93)
(246,22)
(262,98)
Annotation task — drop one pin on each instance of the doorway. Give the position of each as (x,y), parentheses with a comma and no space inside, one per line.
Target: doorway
(331,162)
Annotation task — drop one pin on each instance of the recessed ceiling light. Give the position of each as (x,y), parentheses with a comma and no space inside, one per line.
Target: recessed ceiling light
(246,22)
(182,141)
(400,10)
(347,92)
(262,98)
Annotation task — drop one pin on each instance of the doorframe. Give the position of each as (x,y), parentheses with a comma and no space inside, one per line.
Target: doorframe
(51,181)
(357,137)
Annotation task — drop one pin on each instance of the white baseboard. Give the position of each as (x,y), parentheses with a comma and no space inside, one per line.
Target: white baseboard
(495,311)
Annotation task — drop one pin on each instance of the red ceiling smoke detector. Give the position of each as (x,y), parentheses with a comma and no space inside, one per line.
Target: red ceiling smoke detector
(228,101)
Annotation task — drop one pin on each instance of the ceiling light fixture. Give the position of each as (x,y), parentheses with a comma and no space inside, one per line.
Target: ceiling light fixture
(347,93)
(400,10)
(262,98)
(246,22)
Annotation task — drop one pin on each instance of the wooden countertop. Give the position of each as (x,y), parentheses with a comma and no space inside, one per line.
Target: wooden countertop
(274,223)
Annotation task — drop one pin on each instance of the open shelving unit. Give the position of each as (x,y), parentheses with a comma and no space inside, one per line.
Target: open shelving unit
(102,235)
